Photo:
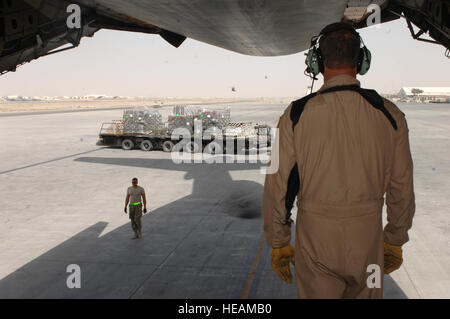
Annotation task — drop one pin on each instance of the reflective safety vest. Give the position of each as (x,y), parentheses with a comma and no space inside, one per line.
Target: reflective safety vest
(135,204)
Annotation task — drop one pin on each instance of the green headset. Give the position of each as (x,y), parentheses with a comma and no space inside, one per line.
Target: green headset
(314,60)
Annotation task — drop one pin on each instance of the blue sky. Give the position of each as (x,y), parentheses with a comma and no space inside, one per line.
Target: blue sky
(132,64)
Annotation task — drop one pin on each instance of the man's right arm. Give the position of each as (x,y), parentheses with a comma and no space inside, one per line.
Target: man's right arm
(276,228)
(277,231)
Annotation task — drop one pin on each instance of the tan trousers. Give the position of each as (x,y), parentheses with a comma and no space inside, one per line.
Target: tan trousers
(333,254)
(135,217)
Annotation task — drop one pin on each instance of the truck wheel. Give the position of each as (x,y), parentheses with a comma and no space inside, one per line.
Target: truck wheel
(213,148)
(192,147)
(167,146)
(127,144)
(146,146)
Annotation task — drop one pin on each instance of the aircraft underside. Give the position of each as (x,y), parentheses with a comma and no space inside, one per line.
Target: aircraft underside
(30,29)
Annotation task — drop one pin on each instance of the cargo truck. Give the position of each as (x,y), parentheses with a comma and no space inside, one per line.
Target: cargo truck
(145,130)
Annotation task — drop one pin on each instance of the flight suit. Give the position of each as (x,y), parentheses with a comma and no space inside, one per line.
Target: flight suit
(348,154)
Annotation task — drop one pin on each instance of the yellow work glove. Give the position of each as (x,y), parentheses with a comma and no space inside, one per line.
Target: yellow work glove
(281,257)
(392,257)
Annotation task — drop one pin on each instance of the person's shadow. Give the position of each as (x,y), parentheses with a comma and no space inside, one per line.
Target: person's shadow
(195,246)
(199,246)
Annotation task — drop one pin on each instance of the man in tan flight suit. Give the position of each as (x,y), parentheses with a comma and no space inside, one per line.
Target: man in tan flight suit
(134,195)
(339,158)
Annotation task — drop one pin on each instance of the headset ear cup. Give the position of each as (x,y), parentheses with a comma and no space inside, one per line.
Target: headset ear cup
(364,60)
(311,62)
(360,60)
(320,61)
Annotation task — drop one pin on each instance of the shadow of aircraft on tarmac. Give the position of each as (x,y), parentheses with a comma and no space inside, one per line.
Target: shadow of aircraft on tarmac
(200,246)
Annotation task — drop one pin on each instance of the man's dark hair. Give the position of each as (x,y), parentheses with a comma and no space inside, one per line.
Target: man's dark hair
(340,49)
(134,179)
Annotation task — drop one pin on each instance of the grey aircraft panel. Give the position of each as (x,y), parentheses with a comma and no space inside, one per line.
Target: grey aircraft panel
(262,27)
(253,27)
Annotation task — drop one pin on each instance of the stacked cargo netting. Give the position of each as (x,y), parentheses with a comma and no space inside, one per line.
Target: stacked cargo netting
(141,121)
(236,129)
(147,121)
(210,119)
(114,128)
(223,117)
(181,117)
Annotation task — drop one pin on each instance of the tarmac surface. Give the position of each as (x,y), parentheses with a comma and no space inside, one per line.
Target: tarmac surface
(62,203)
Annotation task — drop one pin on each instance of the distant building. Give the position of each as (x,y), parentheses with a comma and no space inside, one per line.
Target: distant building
(418,93)
(94,97)
(13,98)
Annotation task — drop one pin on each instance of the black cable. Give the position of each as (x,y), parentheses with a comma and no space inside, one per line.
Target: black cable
(312,84)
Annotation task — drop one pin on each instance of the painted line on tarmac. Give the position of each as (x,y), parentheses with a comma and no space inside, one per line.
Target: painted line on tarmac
(252,273)
(49,112)
(111,108)
(237,293)
(49,161)
(259,270)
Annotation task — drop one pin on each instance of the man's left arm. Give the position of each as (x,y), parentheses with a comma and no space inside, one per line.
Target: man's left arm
(144,199)
(400,199)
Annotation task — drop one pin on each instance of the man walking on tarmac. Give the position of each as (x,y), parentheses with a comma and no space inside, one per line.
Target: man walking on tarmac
(134,195)
(341,150)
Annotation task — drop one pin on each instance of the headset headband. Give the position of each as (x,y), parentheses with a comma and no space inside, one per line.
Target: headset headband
(338,26)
